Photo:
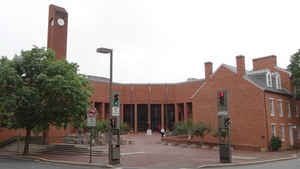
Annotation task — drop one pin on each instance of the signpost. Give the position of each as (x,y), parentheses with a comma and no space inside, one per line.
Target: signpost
(224,127)
(91,122)
(115,129)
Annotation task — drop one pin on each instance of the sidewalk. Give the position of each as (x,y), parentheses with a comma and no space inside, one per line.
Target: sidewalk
(148,152)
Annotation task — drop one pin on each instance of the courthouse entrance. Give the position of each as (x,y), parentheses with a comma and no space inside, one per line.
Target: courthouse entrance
(142,113)
(155,116)
(129,115)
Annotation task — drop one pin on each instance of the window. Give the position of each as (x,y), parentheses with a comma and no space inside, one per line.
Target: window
(269,79)
(280,108)
(282,132)
(278,82)
(272,107)
(289,109)
(298,132)
(273,130)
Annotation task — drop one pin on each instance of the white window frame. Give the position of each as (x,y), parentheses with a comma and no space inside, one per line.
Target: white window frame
(273,127)
(269,79)
(271,105)
(282,132)
(289,109)
(278,81)
(280,108)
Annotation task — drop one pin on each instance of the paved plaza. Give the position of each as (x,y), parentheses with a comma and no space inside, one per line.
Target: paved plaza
(150,152)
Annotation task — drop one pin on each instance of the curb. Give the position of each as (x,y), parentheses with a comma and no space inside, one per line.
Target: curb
(294,156)
(70,162)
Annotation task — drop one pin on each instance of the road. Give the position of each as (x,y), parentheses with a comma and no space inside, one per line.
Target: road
(287,164)
(19,163)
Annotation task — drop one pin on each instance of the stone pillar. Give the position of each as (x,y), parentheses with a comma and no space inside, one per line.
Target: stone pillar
(185,112)
(149,116)
(135,118)
(176,113)
(162,122)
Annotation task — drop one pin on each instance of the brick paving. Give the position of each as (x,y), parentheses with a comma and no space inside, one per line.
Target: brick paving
(148,152)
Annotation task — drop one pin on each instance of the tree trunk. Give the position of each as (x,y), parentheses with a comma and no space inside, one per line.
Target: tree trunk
(27,141)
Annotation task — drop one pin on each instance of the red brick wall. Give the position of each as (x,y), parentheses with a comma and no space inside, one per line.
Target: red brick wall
(264,62)
(57,35)
(246,107)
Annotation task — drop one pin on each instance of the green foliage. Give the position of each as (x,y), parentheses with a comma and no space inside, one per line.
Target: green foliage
(102,126)
(275,143)
(36,90)
(294,68)
(201,129)
(124,128)
(179,129)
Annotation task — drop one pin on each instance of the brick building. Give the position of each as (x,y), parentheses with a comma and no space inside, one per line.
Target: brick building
(261,102)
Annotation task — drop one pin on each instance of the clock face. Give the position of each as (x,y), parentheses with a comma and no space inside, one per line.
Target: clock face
(60,22)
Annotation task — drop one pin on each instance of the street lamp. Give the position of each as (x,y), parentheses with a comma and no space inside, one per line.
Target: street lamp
(110,51)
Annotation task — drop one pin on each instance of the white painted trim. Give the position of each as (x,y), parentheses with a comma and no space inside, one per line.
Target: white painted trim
(197,91)
(258,71)
(269,75)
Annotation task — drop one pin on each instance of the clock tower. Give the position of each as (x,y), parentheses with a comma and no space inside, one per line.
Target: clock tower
(57,31)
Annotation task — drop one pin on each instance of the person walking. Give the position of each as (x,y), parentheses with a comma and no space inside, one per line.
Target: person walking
(162,132)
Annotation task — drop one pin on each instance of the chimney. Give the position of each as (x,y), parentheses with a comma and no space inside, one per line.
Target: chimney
(240,64)
(208,69)
(264,62)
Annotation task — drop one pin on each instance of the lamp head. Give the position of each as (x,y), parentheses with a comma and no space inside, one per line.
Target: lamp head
(104,50)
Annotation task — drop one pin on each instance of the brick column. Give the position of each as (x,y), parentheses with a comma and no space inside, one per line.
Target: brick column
(135,118)
(149,116)
(103,111)
(121,113)
(176,113)
(162,117)
(185,112)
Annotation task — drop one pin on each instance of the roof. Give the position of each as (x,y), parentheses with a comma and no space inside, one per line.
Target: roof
(258,78)
(106,80)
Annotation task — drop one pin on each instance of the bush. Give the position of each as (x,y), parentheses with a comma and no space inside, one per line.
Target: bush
(275,143)
(201,129)
(124,128)
(179,129)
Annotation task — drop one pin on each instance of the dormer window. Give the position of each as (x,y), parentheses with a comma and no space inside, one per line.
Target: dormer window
(278,82)
(269,79)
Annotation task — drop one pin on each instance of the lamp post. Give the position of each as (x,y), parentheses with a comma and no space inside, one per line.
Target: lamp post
(110,51)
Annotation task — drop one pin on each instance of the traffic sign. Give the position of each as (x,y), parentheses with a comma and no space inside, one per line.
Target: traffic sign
(116,111)
(91,117)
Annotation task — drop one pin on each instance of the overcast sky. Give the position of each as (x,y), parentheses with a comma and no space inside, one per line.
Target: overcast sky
(157,41)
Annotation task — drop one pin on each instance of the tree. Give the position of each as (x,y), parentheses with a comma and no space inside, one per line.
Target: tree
(294,68)
(38,91)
